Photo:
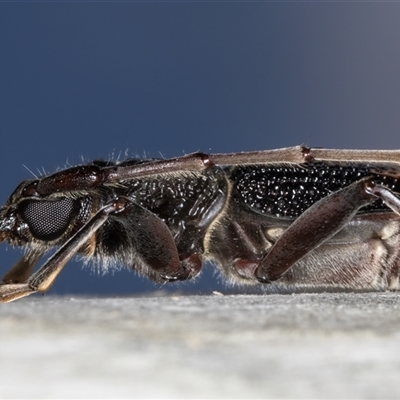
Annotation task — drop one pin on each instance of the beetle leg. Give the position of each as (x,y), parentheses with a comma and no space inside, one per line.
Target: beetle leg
(189,162)
(155,252)
(22,269)
(191,264)
(300,154)
(390,198)
(201,161)
(319,223)
(42,280)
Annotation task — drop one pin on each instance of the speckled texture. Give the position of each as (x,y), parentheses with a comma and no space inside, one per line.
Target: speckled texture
(243,346)
(288,190)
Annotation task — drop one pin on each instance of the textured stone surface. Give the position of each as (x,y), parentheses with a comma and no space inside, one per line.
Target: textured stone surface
(282,346)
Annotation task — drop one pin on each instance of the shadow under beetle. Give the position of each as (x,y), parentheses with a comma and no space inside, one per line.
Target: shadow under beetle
(294,217)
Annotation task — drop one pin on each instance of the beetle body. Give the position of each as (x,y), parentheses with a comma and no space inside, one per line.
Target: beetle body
(295,217)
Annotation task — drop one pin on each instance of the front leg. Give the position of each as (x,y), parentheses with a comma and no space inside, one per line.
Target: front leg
(21,271)
(147,245)
(42,280)
(319,223)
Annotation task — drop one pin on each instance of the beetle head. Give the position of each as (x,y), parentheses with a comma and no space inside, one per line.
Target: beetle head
(29,218)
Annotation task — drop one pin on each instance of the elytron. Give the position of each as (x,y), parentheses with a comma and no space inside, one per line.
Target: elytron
(294,218)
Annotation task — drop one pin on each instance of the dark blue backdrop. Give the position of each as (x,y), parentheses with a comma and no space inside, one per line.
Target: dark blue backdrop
(95,80)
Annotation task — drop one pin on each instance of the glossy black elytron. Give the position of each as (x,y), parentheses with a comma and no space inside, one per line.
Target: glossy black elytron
(288,190)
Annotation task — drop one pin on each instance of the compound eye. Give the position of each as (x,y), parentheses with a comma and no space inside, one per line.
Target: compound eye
(47,220)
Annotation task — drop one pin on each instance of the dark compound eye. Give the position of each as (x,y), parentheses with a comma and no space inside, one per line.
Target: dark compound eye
(47,220)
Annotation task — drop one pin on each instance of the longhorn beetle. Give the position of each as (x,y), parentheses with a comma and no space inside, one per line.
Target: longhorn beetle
(294,217)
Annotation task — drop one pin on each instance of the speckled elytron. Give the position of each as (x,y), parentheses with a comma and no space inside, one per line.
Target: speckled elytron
(293,218)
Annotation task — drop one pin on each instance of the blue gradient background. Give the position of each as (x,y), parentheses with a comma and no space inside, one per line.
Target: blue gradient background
(96,80)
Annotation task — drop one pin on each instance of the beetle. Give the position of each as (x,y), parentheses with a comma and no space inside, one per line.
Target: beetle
(295,218)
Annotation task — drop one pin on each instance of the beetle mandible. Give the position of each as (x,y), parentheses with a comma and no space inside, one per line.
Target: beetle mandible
(294,217)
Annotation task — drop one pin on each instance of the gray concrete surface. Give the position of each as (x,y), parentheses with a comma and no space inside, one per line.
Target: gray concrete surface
(237,346)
